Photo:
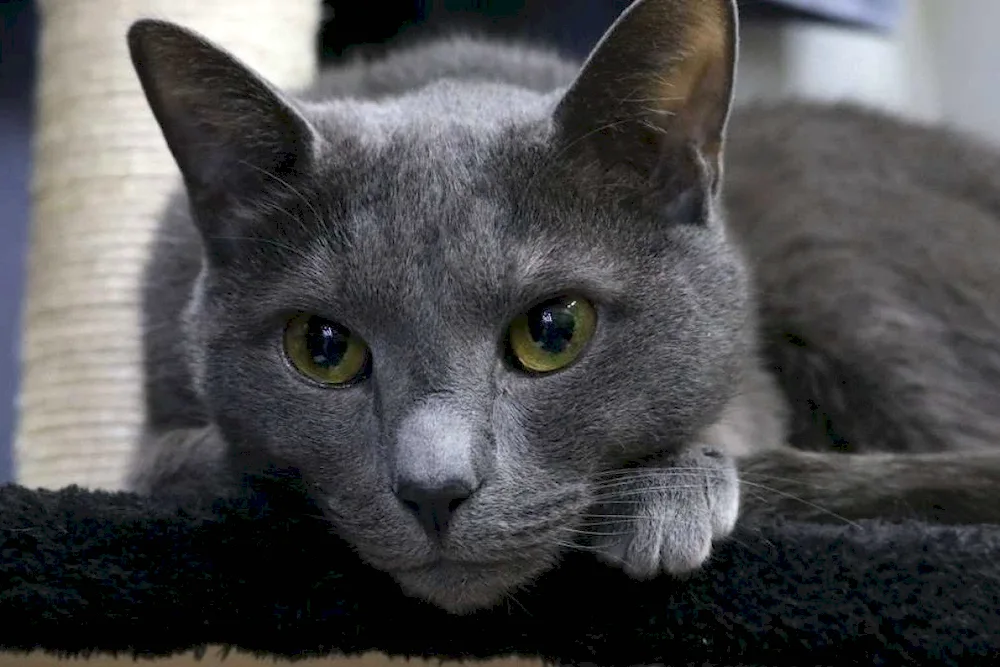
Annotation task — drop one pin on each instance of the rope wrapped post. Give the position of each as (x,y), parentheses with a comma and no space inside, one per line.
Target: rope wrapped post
(102,175)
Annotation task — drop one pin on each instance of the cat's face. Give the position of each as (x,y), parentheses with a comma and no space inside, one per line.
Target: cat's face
(453,324)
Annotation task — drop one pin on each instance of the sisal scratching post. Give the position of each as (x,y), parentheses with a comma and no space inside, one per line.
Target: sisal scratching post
(102,175)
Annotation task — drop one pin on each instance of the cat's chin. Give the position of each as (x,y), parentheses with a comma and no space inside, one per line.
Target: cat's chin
(465,588)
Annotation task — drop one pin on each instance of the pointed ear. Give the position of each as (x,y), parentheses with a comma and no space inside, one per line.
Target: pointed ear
(228,129)
(652,100)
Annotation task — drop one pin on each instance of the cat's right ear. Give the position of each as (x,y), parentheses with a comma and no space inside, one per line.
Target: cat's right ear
(229,130)
(651,103)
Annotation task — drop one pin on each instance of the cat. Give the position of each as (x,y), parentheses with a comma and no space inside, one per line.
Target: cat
(493,304)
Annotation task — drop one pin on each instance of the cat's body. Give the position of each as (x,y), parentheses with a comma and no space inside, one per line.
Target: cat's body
(874,244)
(437,206)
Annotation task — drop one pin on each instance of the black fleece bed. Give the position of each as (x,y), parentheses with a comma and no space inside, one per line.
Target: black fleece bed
(100,573)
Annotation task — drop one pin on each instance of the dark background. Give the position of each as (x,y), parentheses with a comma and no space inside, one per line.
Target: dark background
(574,26)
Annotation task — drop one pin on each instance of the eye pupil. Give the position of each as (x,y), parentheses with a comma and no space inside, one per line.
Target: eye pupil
(552,327)
(326,342)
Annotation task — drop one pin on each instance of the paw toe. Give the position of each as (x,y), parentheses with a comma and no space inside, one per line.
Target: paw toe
(686,552)
(725,512)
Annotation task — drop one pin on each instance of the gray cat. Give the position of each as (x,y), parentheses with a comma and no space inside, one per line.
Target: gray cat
(485,300)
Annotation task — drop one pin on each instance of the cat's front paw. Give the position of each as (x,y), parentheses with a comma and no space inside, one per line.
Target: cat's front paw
(666,519)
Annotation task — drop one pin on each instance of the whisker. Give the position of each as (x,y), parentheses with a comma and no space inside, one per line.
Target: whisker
(763,487)
(756,496)
(599,524)
(663,488)
(638,483)
(745,545)
(618,500)
(792,496)
(777,478)
(591,533)
(643,473)
(655,470)
(573,546)
(605,528)
(663,472)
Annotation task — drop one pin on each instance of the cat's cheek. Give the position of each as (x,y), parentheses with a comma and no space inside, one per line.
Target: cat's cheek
(547,425)
(383,537)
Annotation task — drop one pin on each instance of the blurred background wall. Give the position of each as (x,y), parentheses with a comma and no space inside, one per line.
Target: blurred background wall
(931,60)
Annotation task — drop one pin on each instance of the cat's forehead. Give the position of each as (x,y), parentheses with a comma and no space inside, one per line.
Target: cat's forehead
(432,220)
(433,111)
(453,207)
(464,223)
(453,182)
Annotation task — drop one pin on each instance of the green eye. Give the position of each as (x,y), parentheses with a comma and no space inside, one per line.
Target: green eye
(325,351)
(551,335)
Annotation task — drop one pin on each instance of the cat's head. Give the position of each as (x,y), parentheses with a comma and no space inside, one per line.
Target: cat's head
(455,311)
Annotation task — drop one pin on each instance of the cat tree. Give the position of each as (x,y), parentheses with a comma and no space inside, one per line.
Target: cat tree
(101,175)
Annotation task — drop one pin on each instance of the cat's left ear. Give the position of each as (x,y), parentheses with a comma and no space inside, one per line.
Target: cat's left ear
(651,104)
(229,130)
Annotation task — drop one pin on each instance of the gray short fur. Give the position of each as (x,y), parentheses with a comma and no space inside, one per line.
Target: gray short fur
(426,199)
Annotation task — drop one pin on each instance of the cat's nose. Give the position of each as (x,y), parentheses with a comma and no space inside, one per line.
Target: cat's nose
(434,505)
